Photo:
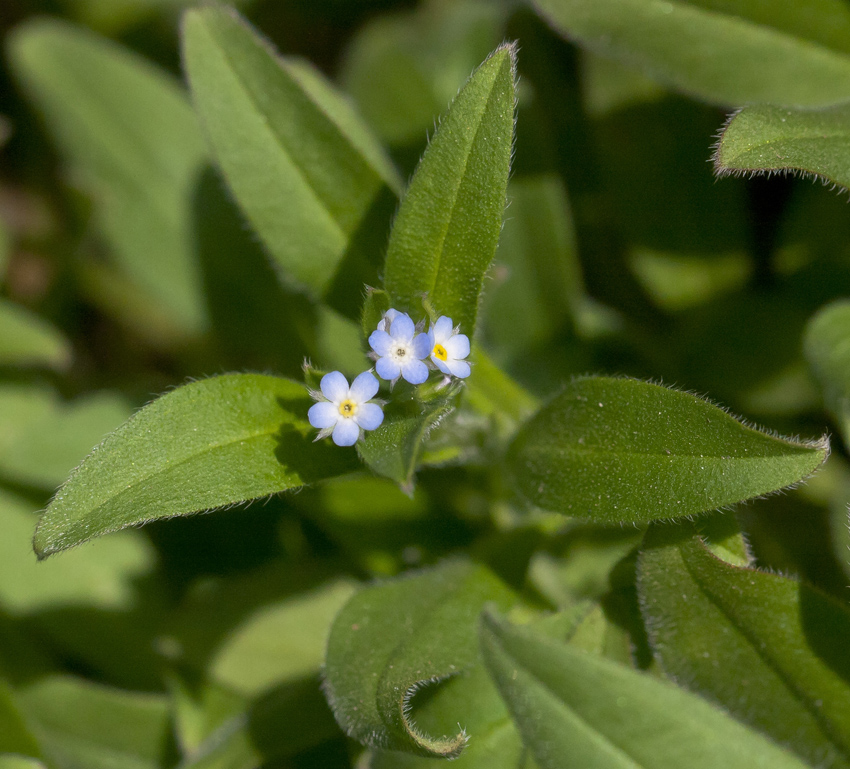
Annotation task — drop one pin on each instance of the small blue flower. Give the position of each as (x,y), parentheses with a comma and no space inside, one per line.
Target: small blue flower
(399,349)
(449,348)
(345,412)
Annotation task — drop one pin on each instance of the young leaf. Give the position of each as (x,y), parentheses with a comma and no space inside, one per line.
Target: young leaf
(302,167)
(28,340)
(208,444)
(617,450)
(603,715)
(826,348)
(445,234)
(726,52)
(768,649)
(128,130)
(766,138)
(391,640)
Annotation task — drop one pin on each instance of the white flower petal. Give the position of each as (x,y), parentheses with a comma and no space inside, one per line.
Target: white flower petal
(415,372)
(457,346)
(334,386)
(442,365)
(460,368)
(387,368)
(442,329)
(422,345)
(322,415)
(402,328)
(346,432)
(364,387)
(369,416)
(381,342)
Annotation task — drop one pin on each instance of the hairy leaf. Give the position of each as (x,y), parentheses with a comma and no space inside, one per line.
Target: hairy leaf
(617,450)
(445,234)
(208,444)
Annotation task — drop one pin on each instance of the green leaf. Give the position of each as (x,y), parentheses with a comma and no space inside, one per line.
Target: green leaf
(616,450)
(445,234)
(20,762)
(574,708)
(15,734)
(128,132)
(766,648)
(80,724)
(766,138)
(302,167)
(205,445)
(393,449)
(393,639)
(28,340)
(42,439)
(726,52)
(827,348)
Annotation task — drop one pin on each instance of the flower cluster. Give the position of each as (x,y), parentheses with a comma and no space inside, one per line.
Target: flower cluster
(401,350)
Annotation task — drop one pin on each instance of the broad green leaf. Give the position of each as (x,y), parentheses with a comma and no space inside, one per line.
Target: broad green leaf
(302,167)
(15,735)
(576,709)
(766,138)
(726,52)
(42,439)
(393,449)
(393,639)
(827,348)
(129,134)
(28,340)
(768,649)
(208,444)
(617,450)
(80,724)
(447,227)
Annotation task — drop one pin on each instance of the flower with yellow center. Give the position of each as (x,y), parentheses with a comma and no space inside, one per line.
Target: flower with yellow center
(449,348)
(344,412)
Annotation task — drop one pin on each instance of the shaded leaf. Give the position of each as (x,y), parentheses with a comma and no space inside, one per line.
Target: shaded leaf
(208,444)
(768,649)
(574,708)
(128,132)
(615,450)
(28,340)
(15,735)
(726,52)
(393,639)
(766,138)
(447,227)
(827,348)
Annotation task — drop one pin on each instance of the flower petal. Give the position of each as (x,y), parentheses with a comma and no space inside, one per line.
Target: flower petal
(442,365)
(460,368)
(415,372)
(369,416)
(442,329)
(334,386)
(322,415)
(380,342)
(457,346)
(387,368)
(346,432)
(422,345)
(402,328)
(364,387)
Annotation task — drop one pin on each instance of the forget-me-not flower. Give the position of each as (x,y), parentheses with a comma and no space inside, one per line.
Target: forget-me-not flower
(343,412)
(400,350)
(449,348)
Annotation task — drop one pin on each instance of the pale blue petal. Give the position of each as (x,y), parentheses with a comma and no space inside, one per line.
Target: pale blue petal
(402,328)
(442,365)
(346,432)
(334,386)
(322,415)
(369,416)
(380,342)
(442,328)
(415,372)
(422,345)
(460,368)
(364,387)
(387,368)
(457,346)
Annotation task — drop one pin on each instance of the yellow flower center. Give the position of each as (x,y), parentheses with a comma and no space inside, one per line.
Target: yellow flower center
(348,408)
(440,352)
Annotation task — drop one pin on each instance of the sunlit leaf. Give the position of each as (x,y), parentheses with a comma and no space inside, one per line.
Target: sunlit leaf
(208,444)
(615,450)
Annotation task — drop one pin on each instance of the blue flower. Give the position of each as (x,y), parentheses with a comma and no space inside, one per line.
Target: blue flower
(449,348)
(399,349)
(345,412)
